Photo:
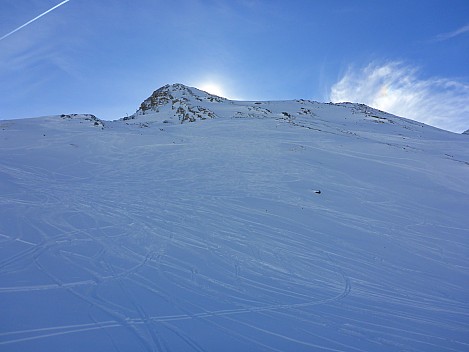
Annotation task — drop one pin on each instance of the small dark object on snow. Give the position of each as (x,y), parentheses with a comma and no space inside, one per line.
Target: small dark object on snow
(317,192)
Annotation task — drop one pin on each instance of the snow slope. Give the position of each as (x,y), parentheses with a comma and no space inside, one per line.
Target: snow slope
(145,234)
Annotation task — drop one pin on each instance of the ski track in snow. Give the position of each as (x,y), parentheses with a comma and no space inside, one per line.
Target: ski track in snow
(209,234)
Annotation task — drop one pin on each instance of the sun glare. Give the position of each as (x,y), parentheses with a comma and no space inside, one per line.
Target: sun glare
(212,88)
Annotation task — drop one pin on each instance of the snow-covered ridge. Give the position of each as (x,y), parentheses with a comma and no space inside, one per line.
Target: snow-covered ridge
(84,117)
(178,103)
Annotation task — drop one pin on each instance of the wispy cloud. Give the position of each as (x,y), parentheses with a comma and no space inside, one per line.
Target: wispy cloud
(397,88)
(457,32)
(34,19)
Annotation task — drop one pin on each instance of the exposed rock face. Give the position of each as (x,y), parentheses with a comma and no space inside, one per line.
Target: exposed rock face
(84,117)
(185,104)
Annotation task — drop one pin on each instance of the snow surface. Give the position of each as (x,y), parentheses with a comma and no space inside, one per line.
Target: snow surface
(145,235)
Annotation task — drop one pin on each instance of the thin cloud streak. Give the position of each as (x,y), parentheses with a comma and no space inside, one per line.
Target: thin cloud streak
(396,88)
(34,19)
(460,31)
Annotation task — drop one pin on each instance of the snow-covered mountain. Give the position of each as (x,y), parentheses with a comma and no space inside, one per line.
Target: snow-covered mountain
(177,102)
(268,226)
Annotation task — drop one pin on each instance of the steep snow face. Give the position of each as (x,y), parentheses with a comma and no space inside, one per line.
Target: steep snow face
(277,226)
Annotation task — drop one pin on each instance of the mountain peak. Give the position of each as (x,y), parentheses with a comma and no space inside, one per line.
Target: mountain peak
(177,102)
(179,87)
(175,87)
(178,90)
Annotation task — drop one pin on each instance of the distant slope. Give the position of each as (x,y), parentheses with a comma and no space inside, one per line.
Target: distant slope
(145,234)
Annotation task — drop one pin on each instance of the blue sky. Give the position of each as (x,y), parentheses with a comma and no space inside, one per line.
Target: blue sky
(104,57)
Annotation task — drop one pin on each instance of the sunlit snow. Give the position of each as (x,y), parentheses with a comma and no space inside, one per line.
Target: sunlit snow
(145,234)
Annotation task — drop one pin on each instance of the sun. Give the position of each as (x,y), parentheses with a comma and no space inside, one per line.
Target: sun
(212,88)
